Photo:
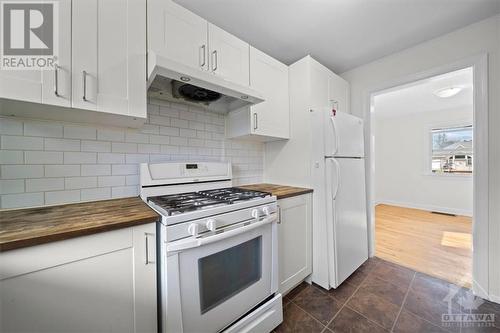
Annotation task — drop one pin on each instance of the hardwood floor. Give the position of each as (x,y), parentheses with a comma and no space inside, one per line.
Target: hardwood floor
(434,244)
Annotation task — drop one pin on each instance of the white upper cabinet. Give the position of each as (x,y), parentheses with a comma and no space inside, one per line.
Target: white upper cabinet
(56,88)
(177,33)
(338,93)
(185,38)
(48,86)
(101,66)
(319,75)
(229,56)
(268,120)
(109,56)
(271,117)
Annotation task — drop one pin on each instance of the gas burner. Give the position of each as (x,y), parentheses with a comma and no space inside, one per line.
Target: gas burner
(175,204)
(234,194)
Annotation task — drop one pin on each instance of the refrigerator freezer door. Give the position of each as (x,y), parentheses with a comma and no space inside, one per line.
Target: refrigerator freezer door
(346,214)
(343,135)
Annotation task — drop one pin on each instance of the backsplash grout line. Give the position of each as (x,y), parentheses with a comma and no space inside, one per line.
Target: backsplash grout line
(36,150)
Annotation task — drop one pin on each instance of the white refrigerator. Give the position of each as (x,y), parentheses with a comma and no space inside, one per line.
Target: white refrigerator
(338,173)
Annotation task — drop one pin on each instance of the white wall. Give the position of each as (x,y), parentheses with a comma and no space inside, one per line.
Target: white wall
(482,37)
(47,162)
(402,163)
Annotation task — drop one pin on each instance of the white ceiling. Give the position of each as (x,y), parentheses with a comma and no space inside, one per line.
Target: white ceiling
(341,34)
(419,96)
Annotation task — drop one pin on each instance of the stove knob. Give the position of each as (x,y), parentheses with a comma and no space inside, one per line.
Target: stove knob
(193,229)
(255,214)
(266,211)
(211,224)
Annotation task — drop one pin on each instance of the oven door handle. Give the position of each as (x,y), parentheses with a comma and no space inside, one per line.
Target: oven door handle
(190,243)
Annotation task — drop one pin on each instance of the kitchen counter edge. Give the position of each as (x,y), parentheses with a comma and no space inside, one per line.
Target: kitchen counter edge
(280,191)
(25,227)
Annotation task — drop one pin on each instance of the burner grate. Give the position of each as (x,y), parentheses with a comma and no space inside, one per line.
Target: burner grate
(175,204)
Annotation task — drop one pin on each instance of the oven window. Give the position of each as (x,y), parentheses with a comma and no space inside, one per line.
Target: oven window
(226,273)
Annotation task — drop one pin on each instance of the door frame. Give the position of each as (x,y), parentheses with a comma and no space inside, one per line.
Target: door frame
(480,237)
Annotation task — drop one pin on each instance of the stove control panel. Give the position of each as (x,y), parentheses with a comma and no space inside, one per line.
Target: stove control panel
(198,227)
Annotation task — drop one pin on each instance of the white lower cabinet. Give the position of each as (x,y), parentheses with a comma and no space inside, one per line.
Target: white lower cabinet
(295,236)
(99,283)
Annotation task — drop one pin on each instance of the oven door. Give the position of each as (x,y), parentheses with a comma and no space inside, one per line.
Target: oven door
(225,275)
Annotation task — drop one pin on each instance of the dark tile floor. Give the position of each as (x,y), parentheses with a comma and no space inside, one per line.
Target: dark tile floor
(384,297)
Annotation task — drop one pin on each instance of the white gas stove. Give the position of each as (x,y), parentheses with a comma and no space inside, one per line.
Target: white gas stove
(218,249)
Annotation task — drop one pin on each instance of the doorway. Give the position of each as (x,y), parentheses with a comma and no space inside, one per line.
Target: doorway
(427,173)
(423,149)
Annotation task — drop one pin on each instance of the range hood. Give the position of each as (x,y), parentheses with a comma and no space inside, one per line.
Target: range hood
(175,82)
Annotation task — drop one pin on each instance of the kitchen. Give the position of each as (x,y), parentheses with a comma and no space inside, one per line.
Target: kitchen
(156,201)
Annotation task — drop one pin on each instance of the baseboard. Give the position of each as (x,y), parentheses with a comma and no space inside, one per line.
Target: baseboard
(430,208)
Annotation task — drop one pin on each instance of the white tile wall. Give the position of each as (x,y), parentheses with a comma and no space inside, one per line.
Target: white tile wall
(45,163)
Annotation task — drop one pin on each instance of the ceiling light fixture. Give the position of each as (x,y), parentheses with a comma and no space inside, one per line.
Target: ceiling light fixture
(447,92)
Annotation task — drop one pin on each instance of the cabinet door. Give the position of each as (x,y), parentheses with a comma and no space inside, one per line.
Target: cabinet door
(319,85)
(84,54)
(338,93)
(85,284)
(177,34)
(295,235)
(270,77)
(21,85)
(109,56)
(38,86)
(56,88)
(98,283)
(121,57)
(145,278)
(229,56)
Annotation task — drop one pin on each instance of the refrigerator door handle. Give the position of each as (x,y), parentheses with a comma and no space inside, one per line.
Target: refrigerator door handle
(335,135)
(337,171)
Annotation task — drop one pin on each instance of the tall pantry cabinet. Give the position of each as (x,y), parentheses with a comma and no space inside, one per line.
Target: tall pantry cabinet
(312,86)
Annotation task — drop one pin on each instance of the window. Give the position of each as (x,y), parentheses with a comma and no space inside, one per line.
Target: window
(452,150)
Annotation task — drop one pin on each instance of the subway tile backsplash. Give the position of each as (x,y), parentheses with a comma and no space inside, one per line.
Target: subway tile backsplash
(47,162)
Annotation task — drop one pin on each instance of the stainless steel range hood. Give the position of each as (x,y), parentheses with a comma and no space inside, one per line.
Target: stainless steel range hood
(175,82)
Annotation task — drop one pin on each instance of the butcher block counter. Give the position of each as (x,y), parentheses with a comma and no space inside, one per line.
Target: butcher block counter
(32,226)
(280,191)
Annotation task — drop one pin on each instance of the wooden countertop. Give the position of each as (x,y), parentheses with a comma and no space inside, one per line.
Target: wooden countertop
(32,226)
(280,191)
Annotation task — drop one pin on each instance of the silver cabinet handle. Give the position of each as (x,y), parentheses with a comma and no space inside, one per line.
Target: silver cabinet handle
(203,56)
(279,214)
(215,61)
(147,261)
(84,83)
(56,82)
(255,121)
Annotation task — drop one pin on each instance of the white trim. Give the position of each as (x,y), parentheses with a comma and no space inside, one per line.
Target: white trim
(430,208)
(481,237)
(495,298)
